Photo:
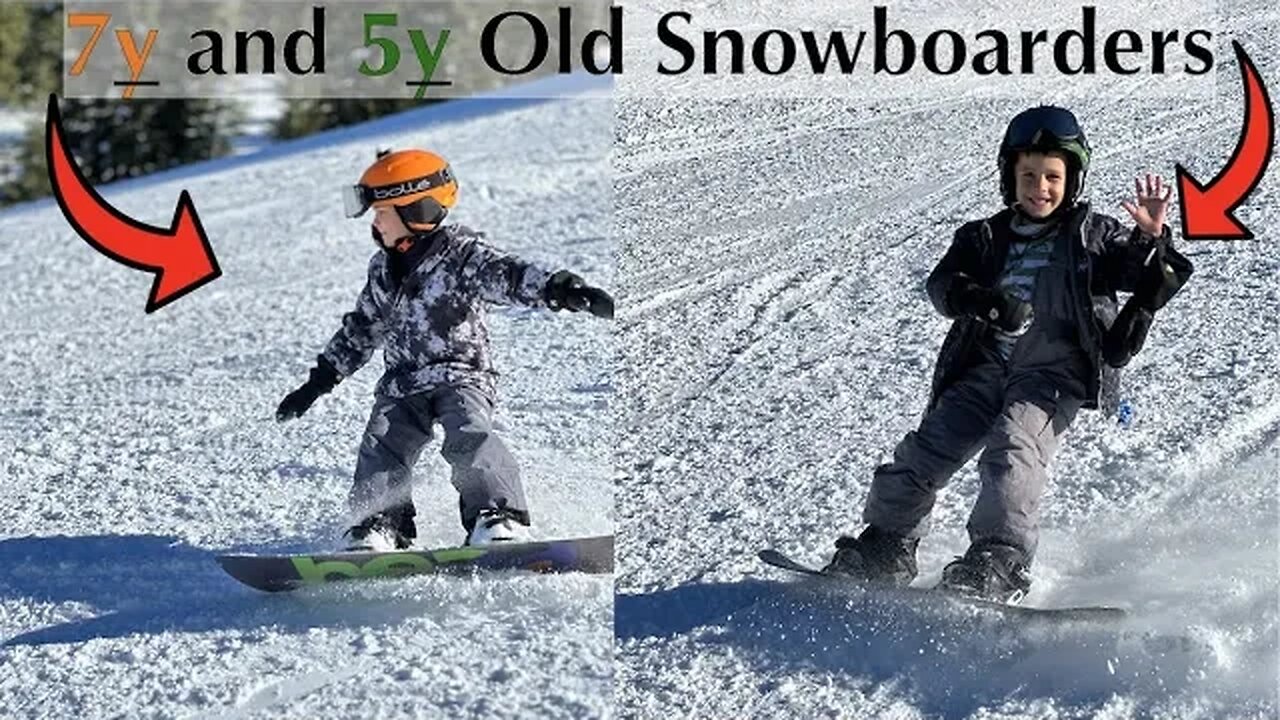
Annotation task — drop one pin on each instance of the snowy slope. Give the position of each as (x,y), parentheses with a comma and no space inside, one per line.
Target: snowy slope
(776,343)
(133,447)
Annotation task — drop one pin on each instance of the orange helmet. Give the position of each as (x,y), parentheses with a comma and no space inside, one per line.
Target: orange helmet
(417,183)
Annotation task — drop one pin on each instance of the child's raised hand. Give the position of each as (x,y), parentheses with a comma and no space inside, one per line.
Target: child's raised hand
(1153,203)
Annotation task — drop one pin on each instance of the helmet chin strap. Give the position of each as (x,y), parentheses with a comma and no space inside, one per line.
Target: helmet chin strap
(416,226)
(403,245)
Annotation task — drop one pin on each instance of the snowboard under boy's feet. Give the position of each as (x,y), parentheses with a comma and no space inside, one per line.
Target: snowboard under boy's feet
(989,571)
(275,573)
(877,556)
(929,597)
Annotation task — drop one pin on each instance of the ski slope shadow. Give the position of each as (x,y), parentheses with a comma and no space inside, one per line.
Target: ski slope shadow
(675,611)
(953,660)
(151,584)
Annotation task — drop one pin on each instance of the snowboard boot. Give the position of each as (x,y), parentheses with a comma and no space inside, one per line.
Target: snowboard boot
(386,531)
(989,571)
(876,556)
(495,525)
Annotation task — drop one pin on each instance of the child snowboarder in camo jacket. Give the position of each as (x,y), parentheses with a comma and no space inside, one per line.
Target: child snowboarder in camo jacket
(1036,337)
(424,302)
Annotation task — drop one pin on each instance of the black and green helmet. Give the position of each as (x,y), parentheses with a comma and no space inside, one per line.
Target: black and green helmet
(1041,129)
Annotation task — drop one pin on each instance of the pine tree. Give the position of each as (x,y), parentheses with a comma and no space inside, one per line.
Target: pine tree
(114,139)
(307,116)
(13,34)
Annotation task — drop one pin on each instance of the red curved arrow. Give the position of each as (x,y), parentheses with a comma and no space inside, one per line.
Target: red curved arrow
(180,256)
(1207,209)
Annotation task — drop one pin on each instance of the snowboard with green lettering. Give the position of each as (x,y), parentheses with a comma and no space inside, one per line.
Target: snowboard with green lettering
(275,573)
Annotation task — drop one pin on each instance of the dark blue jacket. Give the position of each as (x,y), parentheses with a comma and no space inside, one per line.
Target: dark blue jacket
(1107,259)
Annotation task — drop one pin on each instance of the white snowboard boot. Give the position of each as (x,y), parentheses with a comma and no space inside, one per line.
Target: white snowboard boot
(497,525)
(376,533)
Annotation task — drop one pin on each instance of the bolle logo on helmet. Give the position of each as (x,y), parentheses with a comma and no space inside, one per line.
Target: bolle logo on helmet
(408,187)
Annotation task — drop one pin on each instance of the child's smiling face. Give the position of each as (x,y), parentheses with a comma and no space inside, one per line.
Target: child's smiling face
(1042,182)
(389,225)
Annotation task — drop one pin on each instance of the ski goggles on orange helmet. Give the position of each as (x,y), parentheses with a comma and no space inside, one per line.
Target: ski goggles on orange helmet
(357,199)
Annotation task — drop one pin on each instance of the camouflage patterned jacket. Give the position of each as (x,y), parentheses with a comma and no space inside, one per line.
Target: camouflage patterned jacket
(432,325)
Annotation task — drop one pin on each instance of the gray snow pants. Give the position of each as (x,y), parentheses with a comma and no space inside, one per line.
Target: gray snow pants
(1019,416)
(484,471)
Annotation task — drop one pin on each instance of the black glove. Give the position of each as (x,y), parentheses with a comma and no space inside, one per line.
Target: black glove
(566,291)
(1127,335)
(998,308)
(1163,275)
(324,378)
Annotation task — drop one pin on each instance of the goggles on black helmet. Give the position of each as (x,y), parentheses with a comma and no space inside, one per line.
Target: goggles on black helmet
(1041,125)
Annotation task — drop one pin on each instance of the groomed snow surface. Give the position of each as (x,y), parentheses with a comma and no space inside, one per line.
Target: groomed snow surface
(136,447)
(777,343)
